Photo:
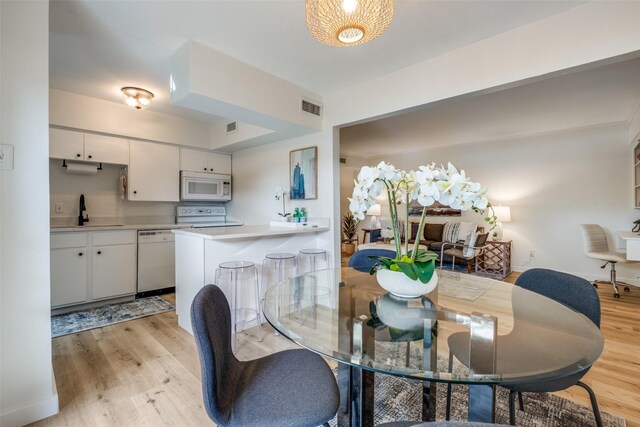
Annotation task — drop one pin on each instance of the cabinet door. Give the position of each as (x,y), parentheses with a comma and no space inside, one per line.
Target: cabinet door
(154,172)
(68,276)
(194,160)
(106,149)
(114,271)
(66,144)
(220,163)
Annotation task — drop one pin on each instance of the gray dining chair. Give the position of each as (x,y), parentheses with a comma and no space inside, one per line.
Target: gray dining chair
(290,388)
(575,293)
(360,260)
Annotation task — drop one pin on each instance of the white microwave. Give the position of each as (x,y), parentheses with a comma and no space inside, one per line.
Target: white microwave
(202,186)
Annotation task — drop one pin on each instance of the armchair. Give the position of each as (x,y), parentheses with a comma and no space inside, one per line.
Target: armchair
(470,250)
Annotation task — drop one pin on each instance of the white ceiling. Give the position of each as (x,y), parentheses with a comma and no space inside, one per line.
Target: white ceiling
(607,94)
(96,47)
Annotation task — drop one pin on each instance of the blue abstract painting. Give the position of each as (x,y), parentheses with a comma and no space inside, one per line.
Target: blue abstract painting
(303,169)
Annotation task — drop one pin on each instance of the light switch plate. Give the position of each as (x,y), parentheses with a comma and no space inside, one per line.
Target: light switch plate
(6,157)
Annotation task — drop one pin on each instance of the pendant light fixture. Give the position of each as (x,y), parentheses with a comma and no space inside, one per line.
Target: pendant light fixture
(348,22)
(136,97)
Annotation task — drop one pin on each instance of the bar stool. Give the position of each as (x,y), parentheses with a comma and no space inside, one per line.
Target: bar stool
(233,275)
(276,268)
(312,260)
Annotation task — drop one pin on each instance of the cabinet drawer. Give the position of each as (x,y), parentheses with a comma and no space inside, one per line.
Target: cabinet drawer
(68,240)
(101,238)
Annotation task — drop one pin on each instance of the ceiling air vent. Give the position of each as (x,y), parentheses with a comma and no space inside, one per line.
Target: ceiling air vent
(232,127)
(343,160)
(310,107)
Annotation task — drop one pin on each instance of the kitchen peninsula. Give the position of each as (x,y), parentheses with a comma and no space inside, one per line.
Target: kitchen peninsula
(199,251)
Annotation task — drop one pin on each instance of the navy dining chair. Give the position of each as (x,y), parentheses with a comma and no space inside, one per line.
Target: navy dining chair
(360,260)
(571,291)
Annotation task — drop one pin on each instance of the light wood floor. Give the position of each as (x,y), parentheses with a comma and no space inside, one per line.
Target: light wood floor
(145,372)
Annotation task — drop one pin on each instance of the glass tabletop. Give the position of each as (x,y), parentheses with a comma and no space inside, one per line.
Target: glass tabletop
(494,332)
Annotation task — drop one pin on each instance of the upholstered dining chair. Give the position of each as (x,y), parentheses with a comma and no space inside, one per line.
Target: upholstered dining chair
(575,293)
(290,388)
(469,251)
(360,260)
(595,245)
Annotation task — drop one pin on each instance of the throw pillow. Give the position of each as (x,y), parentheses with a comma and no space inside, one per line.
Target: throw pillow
(466,228)
(469,244)
(433,232)
(450,232)
(414,230)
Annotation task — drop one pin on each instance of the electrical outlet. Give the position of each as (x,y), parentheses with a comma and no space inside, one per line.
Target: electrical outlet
(532,253)
(59,207)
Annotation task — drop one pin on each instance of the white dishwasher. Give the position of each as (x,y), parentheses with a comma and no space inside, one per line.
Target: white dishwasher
(156,261)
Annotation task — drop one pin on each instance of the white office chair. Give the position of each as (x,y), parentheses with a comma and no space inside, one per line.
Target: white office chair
(595,245)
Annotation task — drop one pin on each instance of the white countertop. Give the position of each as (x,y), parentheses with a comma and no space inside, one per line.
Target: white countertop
(247,231)
(112,227)
(628,235)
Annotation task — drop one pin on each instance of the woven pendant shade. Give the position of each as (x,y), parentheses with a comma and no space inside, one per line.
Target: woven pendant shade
(348,22)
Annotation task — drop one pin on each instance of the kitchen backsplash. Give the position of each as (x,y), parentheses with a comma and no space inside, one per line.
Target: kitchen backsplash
(102,198)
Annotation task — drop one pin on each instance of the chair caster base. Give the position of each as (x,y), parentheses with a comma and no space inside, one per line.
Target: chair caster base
(595,285)
(627,289)
(616,296)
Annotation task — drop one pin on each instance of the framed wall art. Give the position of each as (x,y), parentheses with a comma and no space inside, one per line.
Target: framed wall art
(303,173)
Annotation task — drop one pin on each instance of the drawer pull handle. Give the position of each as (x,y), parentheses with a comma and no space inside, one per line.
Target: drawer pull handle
(99,252)
(79,253)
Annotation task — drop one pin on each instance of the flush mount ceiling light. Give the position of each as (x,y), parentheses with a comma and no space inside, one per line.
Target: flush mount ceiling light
(348,22)
(136,97)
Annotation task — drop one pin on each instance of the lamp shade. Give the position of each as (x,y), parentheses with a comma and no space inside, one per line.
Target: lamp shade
(348,22)
(375,210)
(503,213)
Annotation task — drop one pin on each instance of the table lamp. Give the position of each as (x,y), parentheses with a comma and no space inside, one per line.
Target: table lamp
(374,211)
(503,214)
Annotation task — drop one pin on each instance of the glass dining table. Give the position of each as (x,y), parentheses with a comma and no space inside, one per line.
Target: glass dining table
(470,330)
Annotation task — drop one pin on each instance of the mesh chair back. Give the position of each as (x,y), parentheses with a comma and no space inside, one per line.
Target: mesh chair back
(211,323)
(361,261)
(594,239)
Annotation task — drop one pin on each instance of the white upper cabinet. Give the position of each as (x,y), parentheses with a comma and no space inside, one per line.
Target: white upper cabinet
(154,172)
(70,145)
(106,149)
(64,144)
(204,161)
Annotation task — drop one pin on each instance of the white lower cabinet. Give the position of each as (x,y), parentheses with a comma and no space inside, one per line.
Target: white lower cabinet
(114,271)
(68,276)
(91,266)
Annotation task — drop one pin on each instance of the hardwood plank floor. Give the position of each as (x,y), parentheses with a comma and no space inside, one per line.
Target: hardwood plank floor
(146,372)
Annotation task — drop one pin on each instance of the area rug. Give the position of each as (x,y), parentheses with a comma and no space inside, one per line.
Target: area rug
(397,399)
(467,292)
(78,321)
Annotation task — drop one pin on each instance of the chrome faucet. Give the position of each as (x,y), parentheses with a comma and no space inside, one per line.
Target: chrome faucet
(83,217)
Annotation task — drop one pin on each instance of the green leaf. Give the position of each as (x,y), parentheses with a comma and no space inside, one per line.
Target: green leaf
(424,270)
(407,269)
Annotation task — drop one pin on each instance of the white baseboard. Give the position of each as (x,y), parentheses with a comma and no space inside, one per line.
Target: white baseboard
(632,281)
(34,412)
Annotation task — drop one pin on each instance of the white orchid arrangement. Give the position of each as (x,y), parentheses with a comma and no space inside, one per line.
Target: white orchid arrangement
(427,185)
(281,193)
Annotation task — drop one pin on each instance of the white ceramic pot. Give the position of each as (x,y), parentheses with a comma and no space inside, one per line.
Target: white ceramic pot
(400,285)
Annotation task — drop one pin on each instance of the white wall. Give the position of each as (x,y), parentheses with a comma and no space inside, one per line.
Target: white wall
(82,112)
(102,197)
(258,171)
(27,390)
(552,183)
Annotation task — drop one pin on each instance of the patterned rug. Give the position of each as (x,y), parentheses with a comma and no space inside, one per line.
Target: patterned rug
(397,399)
(78,321)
